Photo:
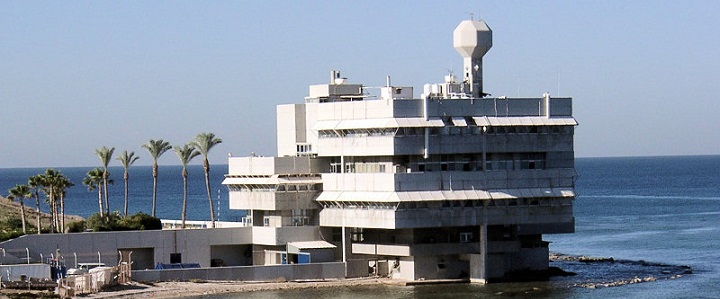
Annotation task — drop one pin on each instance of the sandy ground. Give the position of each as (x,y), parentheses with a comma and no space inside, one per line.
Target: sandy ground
(188,289)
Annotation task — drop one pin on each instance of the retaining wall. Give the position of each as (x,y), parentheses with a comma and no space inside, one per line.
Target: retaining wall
(315,271)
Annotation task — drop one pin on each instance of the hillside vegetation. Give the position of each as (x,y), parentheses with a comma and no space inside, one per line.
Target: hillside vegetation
(10,217)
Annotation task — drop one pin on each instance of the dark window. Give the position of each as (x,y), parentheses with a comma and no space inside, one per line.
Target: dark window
(175,258)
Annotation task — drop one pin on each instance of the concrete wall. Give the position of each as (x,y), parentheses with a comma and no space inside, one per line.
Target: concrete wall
(356,110)
(450,217)
(317,271)
(281,235)
(321,255)
(358,182)
(459,180)
(193,245)
(361,146)
(287,134)
(271,201)
(370,218)
(274,165)
(13,272)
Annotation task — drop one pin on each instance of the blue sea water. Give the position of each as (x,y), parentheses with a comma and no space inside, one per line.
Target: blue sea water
(657,209)
(79,201)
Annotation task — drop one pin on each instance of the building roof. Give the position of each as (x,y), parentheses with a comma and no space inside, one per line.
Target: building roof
(295,247)
(524,121)
(406,196)
(273,180)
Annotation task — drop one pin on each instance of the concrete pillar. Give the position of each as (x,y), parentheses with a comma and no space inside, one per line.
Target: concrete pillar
(479,262)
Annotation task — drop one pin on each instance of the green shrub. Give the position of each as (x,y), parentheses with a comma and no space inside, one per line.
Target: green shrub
(76,226)
(143,222)
(12,234)
(115,222)
(11,223)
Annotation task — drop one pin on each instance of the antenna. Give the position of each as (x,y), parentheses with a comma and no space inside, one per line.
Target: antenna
(472,15)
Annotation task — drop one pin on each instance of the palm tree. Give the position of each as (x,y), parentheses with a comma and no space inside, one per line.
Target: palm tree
(35,183)
(93,180)
(21,192)
(185,153)
(49,179)
(156,149)
(62,183)
(104,154)
(126,159)
(204,142)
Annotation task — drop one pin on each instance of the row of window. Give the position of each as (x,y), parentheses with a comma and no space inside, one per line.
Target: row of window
(409,205)
(275,188)
(452,130)
(359,167)
(365,205)
(474,162)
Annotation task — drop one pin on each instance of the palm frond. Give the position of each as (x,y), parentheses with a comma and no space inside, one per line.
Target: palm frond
(156,148)
(204,142)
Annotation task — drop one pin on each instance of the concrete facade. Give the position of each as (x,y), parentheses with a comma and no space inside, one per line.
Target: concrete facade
(453,184)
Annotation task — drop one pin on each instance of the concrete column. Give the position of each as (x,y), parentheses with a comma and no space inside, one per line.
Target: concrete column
(479,262)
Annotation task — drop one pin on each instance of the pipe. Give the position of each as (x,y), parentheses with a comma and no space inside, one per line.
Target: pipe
(546,98)
(426,150)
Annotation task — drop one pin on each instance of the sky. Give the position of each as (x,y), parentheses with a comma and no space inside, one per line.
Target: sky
(79,75)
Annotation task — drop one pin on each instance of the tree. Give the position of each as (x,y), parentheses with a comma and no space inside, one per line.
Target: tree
(93,180)
(104,154)
(49,185)
(21,192)
(186,154)
(204,142)
(54,185)
(35,183)
(62,183)
(156,148)
(126,159)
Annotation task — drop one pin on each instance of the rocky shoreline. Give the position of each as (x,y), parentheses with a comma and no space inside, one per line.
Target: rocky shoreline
(599,272)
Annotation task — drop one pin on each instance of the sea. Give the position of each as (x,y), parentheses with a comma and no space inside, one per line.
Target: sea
(662,210)
(83,202)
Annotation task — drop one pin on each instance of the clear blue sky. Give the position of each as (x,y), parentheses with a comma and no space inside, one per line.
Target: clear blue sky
(78,75)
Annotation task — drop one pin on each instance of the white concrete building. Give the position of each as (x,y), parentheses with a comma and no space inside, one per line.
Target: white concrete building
(452,184)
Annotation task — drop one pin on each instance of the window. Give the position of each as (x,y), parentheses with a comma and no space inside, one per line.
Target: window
(356,234)
(303,148)
(175,258)
(466,237)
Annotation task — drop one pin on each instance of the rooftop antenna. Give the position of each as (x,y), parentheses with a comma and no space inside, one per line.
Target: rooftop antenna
(472,15)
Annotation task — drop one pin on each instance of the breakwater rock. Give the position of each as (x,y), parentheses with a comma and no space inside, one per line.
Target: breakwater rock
(598,272)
